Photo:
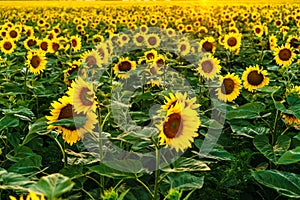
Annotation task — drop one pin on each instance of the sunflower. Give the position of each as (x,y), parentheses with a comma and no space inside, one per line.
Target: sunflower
(144,29)
(63,109)
(183,47)
(293,41)
(179,97)
(75,43)
(179,127)
(83,96)
(254,78)
(96,39)
(291,120)
(160,61)
(170,32)
(55,45)
(102,50)
(45,45)
(284,55)
(209,67)
(36,61)
(13,34)
(258,30)
(124,65)
(139,39)
(207,45)
(152,40)
(30,42)
(229,88)
(232,41)
(91,58)
(272,42)
(7,46)
(73,68)
(149,56)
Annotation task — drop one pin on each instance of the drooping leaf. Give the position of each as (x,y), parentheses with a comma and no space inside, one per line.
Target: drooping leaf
(287,184)
(184,164)
(8,121)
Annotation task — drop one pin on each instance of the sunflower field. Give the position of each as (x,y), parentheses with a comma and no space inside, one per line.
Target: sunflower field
(130,100)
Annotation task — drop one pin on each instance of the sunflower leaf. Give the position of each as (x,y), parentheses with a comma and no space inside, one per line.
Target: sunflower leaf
(287,184)
(290,157)
(71,122)
(246,111)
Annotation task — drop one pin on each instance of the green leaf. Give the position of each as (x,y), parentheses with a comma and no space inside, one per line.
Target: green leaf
(184,164)
(21,110)
(218,152)
(53,186)
(245,128)
(104,170)
(290,157)
(36,129)
(13,181)
(69,122)
(185,181)
(246,111)
(293,106)
(8,121)
(287,184)
(261,142)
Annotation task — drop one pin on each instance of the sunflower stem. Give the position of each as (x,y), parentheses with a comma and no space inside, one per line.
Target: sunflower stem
(145,186)
(100,148)
(274,128)
(156,184)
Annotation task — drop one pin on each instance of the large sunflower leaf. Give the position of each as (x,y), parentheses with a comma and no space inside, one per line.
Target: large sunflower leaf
(273,153)
(287,184)
(185,181)
(246,111)
(184,164)
(53,186)
(290,157)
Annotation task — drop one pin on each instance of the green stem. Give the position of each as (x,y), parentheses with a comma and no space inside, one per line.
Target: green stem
(285,130)
(274,128)
(100,148)
(145,186)
(62,151)
(156,184)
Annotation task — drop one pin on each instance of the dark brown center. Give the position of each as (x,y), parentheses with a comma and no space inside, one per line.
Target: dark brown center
(13,34)
(35,61)
(91,61)
(140,39)
(66,113)
(255,78)
(150,56)
(7,45)
(173,127)
(227,86)
(44,46)
(31,42)
(86,98)
(232,41)
(55,46)
(294,42)
(124,66)
(207,66)
(285,54)
(74,43)
(152,41)
(208,46)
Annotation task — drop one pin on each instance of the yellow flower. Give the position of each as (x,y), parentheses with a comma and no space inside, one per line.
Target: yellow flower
(31,196)
(83,95)
(75,43)
(92,58)
(207,45)
(124,65)
(229,88)
(36,61)
(284,55)
(152,40)
(64,109)
(254,78)
(179,127)
(7,46)
(209,67)
(232,41)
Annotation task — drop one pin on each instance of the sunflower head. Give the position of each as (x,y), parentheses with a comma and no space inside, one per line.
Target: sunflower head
(36,61)
(209,67)
(207,45)
(284,55)
(229,88)
(152,40)
(232,41)
(254,78)
(124,65)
